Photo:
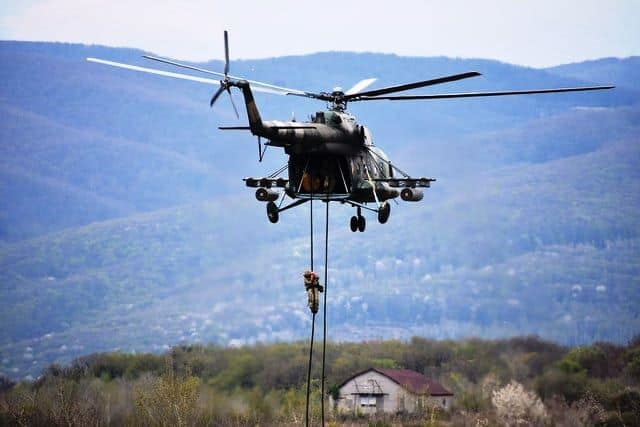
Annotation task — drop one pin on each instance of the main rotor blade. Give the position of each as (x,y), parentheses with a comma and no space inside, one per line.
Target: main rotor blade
(400,88)
(481,94)
(361,85)
(179,75)
(320,96)
(154,71)
(178,64)
(281,90)
(226,53)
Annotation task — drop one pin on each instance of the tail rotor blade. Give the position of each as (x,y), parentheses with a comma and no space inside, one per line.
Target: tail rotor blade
(216,95)
(233,104)
(226,53)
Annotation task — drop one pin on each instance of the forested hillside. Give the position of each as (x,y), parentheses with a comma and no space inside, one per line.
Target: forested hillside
(124,223)
(520,381)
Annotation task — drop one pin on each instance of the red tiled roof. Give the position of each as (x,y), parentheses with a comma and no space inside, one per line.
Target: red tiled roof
(411,380)
(414,382)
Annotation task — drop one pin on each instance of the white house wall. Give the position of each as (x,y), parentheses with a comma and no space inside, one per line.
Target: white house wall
(392,401)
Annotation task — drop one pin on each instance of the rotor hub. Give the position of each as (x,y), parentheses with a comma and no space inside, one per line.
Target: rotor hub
(338,101)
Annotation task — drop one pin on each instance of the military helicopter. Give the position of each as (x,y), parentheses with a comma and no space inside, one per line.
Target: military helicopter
(331,157)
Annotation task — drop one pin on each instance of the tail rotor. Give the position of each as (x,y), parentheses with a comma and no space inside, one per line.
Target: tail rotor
(226,82)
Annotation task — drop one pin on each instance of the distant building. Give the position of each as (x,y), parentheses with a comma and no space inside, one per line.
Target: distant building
(376,391)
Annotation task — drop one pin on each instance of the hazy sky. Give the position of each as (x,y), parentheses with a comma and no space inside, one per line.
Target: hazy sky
(527,32)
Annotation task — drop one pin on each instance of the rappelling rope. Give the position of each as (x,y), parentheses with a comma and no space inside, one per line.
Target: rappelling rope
(313,324)
(324,305)
(313,288)
(309,279)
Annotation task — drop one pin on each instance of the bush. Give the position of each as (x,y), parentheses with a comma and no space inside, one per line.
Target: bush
(471,401)
(591,360)
(588,411)
(632,367)
(55,402)
(515,406)
(556,382)
(6,383)
(169,400)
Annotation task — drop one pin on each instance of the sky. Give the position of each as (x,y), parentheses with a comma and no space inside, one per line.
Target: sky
(536,33)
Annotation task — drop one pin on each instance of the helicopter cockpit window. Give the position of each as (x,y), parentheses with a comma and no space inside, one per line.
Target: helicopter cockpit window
(332,118)
(319,117)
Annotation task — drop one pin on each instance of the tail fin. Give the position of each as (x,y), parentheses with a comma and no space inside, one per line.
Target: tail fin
(255,121)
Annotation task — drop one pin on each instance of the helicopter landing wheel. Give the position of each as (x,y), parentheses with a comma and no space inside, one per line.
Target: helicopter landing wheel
(358,222)
(354,223)
(272,212)
(383,212)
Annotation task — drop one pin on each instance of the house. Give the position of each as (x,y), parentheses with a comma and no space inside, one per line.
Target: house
(376,391)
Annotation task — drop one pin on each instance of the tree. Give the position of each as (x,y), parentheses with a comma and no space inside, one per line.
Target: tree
(169,400)
(516,406)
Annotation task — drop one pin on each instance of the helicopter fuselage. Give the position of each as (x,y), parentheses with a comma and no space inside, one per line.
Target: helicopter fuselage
(330,157)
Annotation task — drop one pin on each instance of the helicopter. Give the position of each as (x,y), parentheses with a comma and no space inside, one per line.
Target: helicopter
(331,157)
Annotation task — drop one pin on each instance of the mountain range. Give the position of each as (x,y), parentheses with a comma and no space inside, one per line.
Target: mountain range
(124,223)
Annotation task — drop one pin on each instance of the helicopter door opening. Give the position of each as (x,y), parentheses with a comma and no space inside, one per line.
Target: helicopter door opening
(320,175)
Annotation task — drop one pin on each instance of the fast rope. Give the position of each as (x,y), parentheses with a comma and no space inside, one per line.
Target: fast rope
(310,279)
(324,305)
(313,288)
(311,283)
